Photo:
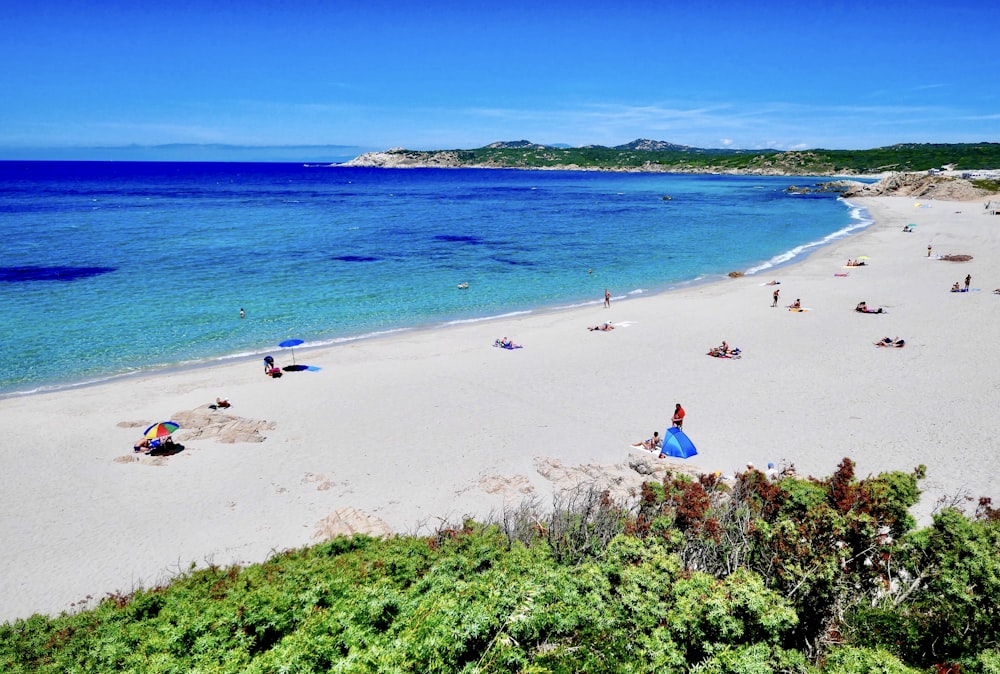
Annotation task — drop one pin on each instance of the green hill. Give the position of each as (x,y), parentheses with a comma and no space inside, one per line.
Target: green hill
(648,155)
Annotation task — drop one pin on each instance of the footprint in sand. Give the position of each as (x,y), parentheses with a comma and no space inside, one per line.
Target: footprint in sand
(323,484)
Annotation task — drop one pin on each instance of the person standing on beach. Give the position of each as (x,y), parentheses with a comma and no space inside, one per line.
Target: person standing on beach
(607,298)
(968,280)
(678,419)
(928,250)
(775,302)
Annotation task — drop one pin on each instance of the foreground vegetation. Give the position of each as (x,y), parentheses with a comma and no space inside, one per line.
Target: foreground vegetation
(693,575)
(659,156)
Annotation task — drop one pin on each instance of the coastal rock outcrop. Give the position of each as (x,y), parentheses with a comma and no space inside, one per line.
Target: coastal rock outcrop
(400,158)
(921,185)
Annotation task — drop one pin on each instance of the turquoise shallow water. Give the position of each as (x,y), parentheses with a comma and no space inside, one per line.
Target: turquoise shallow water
(111,268)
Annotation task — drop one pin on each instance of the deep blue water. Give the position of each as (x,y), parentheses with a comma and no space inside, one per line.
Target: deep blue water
(115,267)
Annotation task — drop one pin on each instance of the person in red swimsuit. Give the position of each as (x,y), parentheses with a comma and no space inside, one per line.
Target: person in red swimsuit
(678,416)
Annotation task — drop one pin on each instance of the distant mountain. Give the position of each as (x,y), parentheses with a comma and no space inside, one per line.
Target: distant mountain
(646,145)
(637,145)
(515,145)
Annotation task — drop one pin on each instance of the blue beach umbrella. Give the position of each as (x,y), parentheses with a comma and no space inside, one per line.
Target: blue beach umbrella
(291,344)
(678,445)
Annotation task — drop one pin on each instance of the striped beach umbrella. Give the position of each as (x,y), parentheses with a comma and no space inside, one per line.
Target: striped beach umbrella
(161,430)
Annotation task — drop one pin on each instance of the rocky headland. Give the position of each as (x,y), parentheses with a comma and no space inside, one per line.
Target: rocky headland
(919,185)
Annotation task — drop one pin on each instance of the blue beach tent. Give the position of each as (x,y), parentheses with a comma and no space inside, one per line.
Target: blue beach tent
(676,444)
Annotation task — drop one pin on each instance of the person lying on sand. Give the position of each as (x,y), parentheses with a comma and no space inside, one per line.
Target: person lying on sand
(863,308)
(220,403)
(604,327)
(143,445)
(505,343)
(652,444)
(885,341)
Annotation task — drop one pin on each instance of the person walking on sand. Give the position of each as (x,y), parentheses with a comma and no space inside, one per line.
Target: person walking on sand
(968,280)
(775,302)
(607,298)
(678,419)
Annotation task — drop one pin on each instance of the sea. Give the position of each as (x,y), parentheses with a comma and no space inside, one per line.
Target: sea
(115,268)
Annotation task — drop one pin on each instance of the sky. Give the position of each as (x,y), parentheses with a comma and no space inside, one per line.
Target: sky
(324,80)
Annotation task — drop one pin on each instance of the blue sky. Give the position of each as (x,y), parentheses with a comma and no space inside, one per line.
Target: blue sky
(333,78)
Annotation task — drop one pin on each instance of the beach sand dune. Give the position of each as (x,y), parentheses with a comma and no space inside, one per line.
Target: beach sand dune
(422,428)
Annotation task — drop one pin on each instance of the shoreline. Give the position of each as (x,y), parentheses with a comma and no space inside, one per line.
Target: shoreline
(775,263)
(411,430)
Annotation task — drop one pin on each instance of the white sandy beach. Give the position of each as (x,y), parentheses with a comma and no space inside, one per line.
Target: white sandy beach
(427,426)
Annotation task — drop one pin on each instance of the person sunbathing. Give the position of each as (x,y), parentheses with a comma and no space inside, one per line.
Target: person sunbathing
(886,342)
(720,352)
(863,308)
(605,327)
(797,304)
(506,343)
(652,444)
(956,288)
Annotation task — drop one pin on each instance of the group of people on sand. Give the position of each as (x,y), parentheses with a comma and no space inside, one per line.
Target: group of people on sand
(895,343)
(968,281)
(862,307)
(794,306)
(772,472)
(147,445)
(655,442)
(725,351)
(855,263)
